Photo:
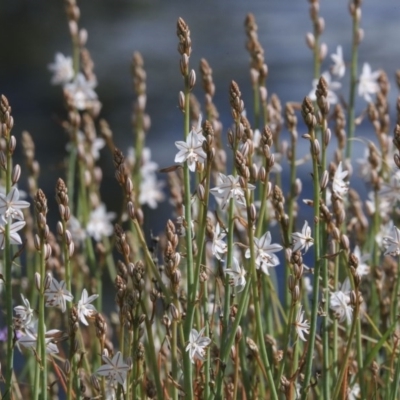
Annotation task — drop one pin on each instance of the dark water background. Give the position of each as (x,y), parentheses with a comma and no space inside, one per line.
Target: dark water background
(31,32)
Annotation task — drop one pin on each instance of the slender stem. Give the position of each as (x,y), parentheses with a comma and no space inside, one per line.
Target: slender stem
(353,83)
(317,271)
(229,342)
(8,291)
(151,352)
(343,369)
(41,341)
(192,281)
(256,302)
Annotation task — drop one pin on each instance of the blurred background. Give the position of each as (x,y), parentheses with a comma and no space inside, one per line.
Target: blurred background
(32,31)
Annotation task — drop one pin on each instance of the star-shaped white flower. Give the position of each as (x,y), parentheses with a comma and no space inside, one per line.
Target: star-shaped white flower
(57,295)
(237,274)
(29,340)
(115,370)
(151,191)
(353,393)
(62,69)
(99,224)
(264,253)
(332,85)
(392,242)
(391,190)
(368,82)
(14,236)
(25,313)
(219,247)
(302,325)
(339,67)
(340,303)
(339,186)
(197,344)
(302,240)
(85,309)
(362,268)
(228,188)
(81,92)
(191,150)
(11,206)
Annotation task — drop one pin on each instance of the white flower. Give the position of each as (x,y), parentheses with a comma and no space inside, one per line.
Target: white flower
(14,236)
(25,313)
(62,69)
(85,309)
(392,242)
(151,191)
(81,92)
(228,188)
(191,150)
(332,97)
(367,83)
(339,186)
(302,240)
(237,273)
(339,67)
(391,190)
(29,340)
(385,205)
(302,325)
(10,206)
(340,303)
(384,230)
(57,295)
(353,393)
(76,230)
(219,247)
(115,370)
(150,188)
(197,344)
(362,268)
(264,253)
(99,223)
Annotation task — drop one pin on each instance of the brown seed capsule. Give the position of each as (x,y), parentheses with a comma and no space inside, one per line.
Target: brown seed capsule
(131,210)
(60,229)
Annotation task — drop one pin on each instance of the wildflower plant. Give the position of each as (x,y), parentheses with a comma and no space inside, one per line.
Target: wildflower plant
(252,289)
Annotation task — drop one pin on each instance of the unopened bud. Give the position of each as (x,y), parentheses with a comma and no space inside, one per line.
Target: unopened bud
(310,40)
(192,79)
(181,101)
(253,213)
(37,281)
(324,180)
(131,210)
(12,144)
(16,173)
(345,242)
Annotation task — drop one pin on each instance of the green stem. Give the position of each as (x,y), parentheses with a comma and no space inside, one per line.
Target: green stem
(256,302)
(343,369)
(192,281)
(8,291)
(41,340)
(317,271)
(353,83)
